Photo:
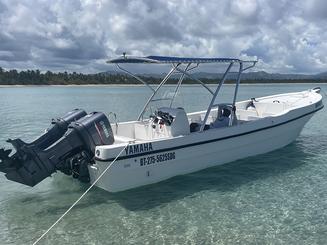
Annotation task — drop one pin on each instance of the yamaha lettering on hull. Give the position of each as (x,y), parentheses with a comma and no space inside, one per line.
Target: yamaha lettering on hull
(135,149)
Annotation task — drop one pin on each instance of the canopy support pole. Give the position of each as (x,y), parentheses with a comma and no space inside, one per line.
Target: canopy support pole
(250,66)
(233,112)
(214,96)
(136,77)
(157,88)
(179,84)
(198,80)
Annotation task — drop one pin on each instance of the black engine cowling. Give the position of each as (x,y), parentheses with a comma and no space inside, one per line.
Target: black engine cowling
(67,146)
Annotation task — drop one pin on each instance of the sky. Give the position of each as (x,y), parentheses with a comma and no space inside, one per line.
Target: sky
(80,35)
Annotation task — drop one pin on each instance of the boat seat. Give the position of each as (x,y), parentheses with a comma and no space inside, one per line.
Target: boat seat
(180,124)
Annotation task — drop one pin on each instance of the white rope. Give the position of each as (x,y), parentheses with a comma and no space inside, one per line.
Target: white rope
(73,205)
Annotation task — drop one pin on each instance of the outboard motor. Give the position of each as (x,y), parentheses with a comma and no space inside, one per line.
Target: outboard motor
(68,146)
(52,134)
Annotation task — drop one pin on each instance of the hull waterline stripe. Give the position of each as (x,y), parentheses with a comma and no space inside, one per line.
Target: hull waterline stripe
(207,141)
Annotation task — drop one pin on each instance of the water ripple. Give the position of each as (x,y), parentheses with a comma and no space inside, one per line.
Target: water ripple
(275,198)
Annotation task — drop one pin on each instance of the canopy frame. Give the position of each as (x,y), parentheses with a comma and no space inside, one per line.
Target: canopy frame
(190,64)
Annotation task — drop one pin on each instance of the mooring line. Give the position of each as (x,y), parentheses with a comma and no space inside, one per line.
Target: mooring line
(88,189)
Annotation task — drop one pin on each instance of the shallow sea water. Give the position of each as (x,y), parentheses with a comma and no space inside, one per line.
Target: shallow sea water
(275,198)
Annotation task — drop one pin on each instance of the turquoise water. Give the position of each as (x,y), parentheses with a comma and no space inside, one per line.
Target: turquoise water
(275,198)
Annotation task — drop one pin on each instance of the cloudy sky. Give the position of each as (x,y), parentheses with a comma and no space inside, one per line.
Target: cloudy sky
(79,35)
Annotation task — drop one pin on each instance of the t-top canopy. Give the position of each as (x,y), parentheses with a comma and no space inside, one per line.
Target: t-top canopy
(171,60)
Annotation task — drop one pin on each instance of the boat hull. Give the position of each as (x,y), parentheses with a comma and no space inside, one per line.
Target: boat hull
(171,158)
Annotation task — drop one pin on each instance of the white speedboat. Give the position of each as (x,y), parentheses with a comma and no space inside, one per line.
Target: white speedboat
(169,141)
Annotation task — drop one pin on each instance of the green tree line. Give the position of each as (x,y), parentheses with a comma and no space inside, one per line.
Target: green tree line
(35,77)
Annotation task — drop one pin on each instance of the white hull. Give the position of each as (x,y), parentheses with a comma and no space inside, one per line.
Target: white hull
(186,154)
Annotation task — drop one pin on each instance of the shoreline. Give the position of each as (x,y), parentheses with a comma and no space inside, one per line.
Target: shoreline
(141,85)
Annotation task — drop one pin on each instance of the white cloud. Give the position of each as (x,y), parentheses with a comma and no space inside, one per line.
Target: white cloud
(286,36)
(244,8)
